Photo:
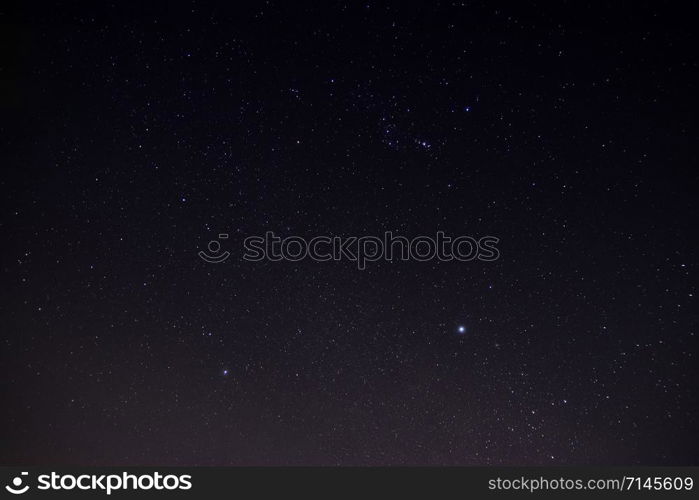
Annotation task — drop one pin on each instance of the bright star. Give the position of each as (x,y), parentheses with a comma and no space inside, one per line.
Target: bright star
(461,329)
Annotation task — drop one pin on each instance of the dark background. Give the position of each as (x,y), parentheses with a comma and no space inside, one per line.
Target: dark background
(133,134)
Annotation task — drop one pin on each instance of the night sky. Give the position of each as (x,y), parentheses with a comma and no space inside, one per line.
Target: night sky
(132,135)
